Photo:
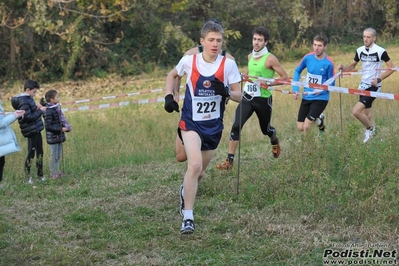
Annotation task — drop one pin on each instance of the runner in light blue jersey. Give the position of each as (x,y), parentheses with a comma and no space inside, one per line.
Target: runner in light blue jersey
(320,68)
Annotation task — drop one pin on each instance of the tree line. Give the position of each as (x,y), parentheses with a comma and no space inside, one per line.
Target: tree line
(51,40)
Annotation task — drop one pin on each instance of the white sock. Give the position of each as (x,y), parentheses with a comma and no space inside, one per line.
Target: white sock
(188,214)
(319,120)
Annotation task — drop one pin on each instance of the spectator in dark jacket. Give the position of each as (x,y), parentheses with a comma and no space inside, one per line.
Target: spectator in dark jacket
(31,125)
(56,124)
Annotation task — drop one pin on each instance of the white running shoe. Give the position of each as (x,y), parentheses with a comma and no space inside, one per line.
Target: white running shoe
(368,134)
(30,181)
(187,227)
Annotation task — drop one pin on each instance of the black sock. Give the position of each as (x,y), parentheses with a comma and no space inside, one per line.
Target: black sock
(274,142)
(230,157)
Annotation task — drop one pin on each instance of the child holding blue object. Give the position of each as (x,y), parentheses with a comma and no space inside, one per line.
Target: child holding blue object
(55,124)
(320,68)
(8,140)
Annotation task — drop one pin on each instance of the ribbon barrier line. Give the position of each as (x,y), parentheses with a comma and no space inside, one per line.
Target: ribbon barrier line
(372,70)
(274,89)
(375,94)
(332,79)
(115,96)
(348,74)
(356,72)
(359,72)
(118,104)
(327,82)
(109,105)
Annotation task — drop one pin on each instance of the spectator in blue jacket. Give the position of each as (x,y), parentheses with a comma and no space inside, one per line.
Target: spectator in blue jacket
(8,141)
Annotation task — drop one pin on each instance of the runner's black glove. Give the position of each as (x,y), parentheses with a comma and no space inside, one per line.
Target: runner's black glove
(220,89)
(170,104)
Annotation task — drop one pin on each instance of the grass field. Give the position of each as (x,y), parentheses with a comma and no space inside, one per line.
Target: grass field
(118,201)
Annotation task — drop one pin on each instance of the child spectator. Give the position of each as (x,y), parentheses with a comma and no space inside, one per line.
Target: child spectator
(31,125)
(55,124)
(8,141)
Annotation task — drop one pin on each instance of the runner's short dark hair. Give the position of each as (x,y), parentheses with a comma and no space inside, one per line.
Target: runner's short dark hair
(261,31)
(321,38)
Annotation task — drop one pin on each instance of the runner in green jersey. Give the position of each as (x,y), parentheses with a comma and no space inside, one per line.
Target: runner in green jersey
(261,63)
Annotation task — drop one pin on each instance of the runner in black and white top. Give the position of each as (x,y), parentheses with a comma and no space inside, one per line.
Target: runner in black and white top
(371,55)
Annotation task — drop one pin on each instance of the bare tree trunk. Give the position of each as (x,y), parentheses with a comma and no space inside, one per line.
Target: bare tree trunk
(29,40)
(13,51)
